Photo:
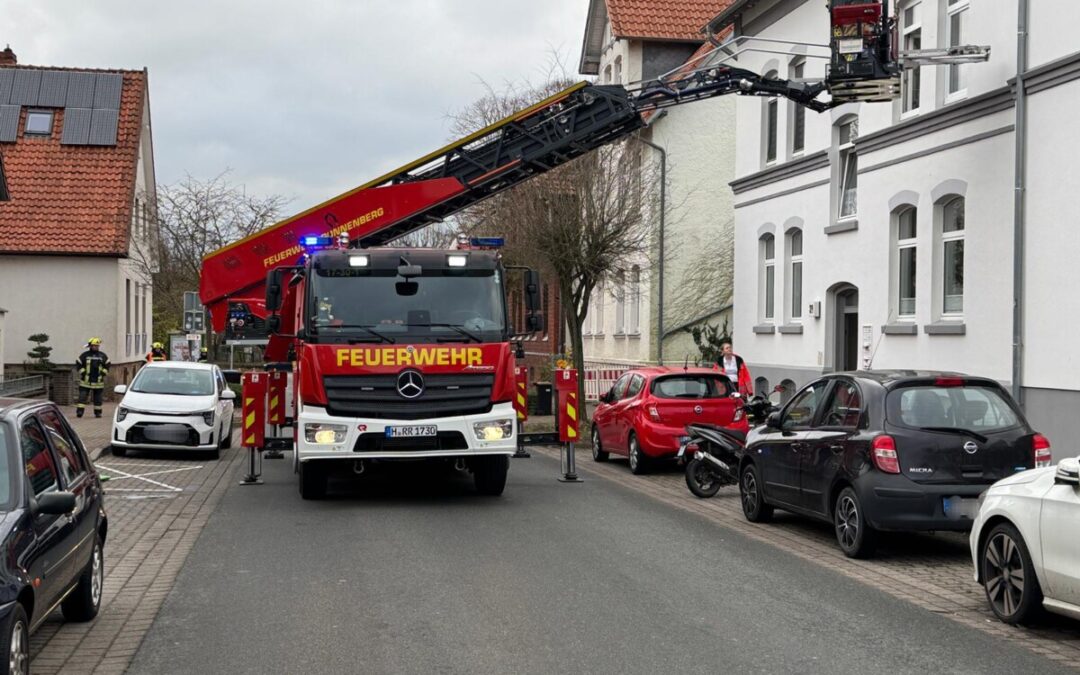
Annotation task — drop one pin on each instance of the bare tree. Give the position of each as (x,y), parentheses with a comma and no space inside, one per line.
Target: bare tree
(194,218)
(581,222)
(436,235)
(705,285)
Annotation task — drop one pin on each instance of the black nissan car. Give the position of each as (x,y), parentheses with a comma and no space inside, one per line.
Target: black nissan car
(887,451)
(52,526)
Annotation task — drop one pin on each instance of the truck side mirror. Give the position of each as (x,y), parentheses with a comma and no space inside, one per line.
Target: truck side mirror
(273,323)
(273,290)
(532,291)
(535,322)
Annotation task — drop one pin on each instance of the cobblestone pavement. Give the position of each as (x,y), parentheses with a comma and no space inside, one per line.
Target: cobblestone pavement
(157,505)
(932,571)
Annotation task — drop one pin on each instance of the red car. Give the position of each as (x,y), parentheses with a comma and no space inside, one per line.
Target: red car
(644,416)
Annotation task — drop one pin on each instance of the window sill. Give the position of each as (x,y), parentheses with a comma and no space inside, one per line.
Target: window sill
(846,225)
(791,329)
(900,329)
(633,336)
(764,329)
(946,328)
(620,336)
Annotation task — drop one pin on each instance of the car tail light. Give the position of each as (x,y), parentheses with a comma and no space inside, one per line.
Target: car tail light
(883,450)
(1041,447)
(654,413)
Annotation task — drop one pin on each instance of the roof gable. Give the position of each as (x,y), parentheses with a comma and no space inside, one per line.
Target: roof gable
(71,190)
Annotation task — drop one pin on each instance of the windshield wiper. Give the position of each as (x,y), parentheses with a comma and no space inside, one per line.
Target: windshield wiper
(454,327)
(958,431)
(368,329)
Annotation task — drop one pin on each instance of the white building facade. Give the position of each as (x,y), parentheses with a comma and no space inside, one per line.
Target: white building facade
(882,234)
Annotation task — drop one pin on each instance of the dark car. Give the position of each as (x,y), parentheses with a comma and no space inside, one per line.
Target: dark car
(644,415)
(887,451)
(52,526)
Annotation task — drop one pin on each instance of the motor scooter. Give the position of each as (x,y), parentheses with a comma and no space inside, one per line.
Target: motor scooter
(712,453)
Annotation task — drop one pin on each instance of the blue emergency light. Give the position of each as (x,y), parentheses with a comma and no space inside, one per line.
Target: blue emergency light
(487,242)
(316,242)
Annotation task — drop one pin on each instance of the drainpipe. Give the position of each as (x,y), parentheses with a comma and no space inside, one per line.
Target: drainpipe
(1019,199)
(663,213)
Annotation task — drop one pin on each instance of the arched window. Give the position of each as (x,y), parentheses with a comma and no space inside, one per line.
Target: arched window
(768,276)
(905,244)
(761,386)
(847,131)
(618,70)
(634,327)
(772,112)
(952,255)
(620,302)
(794,273)
(607,75)
(787,390)
(797,71)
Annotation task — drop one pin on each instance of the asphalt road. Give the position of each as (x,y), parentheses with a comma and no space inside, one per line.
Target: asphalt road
(408,574)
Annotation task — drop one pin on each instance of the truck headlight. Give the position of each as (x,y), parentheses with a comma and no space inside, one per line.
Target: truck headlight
(325,434)
(208,417)
(121,414)
(494,430)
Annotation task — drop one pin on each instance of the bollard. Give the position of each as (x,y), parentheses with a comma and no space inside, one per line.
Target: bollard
(275,415)
(521,406)
(566,383)
(253,422)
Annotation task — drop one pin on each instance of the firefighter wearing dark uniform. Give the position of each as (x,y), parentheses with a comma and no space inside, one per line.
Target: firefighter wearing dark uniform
(156,353)
(93,367)
(203,355)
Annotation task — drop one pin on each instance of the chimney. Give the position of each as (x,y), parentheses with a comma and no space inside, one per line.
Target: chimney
(7,57)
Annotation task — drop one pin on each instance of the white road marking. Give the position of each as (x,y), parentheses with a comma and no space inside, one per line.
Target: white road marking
(143,477)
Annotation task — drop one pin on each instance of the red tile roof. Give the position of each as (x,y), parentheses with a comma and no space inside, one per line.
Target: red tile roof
(73,199)
(662,19)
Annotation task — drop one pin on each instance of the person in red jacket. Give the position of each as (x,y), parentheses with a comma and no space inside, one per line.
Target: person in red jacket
(735,368)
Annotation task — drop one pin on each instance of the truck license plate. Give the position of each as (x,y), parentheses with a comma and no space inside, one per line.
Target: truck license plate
(412,432)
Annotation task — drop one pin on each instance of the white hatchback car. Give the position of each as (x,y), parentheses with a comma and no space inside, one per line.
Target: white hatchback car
(1024,543)
(174,405)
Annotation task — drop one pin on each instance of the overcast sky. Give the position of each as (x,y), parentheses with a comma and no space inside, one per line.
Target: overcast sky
(305,99)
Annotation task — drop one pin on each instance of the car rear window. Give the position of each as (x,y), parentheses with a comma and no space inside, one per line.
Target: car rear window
(691,386)
(972,407)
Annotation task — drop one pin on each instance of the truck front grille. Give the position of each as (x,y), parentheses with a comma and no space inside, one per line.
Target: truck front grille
(376,396)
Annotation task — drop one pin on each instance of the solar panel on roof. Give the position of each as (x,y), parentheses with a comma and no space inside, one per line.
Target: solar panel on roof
(7,76)
(80,91)
(53,91)
(24,91)
(103,127)
(76,126)
(9,123)
(107,92)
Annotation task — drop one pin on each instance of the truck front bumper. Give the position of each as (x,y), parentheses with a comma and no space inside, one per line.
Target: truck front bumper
(366,438)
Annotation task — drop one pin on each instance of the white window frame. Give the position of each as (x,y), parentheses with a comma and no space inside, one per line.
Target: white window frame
(620,302)
(772,130)
(634,327)
(618,70)
(913,74)
(797,71)
(795,309)
(954,8)
(945,239)
(902,245)
(768,277)
(846,155)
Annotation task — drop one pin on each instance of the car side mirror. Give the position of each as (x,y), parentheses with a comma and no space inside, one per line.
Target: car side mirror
(120,389)
(773,420)
(54,503)
(1068,472)
(228,394)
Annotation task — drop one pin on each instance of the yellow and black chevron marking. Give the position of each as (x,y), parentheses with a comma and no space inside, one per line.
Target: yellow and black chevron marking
(249,421)
(571,416)
(521,400)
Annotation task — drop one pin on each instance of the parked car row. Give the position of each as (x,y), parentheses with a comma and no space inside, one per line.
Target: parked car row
(878,452)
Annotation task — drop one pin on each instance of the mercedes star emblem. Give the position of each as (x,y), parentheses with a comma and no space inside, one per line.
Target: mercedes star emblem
(970,447)
(410,384)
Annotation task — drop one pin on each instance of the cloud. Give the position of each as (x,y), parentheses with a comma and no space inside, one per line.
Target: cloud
(306,99)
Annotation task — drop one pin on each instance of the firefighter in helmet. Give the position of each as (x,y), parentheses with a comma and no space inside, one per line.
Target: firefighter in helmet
(93,366)
(203,355)
(157,353)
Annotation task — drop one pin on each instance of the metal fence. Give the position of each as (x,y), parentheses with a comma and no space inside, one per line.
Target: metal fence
(600,376)
(23,386)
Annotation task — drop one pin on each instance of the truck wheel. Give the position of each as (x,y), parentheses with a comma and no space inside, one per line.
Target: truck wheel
(312,480)
(489,474)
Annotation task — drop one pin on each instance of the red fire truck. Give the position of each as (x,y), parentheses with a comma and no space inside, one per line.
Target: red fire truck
(401,353)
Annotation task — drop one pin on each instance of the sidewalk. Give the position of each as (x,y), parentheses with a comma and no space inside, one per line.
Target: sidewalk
(94,432)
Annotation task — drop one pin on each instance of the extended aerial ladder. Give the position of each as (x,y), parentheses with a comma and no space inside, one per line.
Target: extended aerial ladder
(863,66)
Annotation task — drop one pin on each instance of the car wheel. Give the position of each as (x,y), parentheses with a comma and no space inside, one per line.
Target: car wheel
(85,601)
(853,533)
(17,634)
(489,474)
(312,480)
(598,452)
(118,451)
(1008,576)
(753,501)
(639,463)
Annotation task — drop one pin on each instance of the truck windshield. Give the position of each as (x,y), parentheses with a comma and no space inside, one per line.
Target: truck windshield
(380,306)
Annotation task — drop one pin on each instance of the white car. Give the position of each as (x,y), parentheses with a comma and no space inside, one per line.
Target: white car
(174,405)
(1025,546)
